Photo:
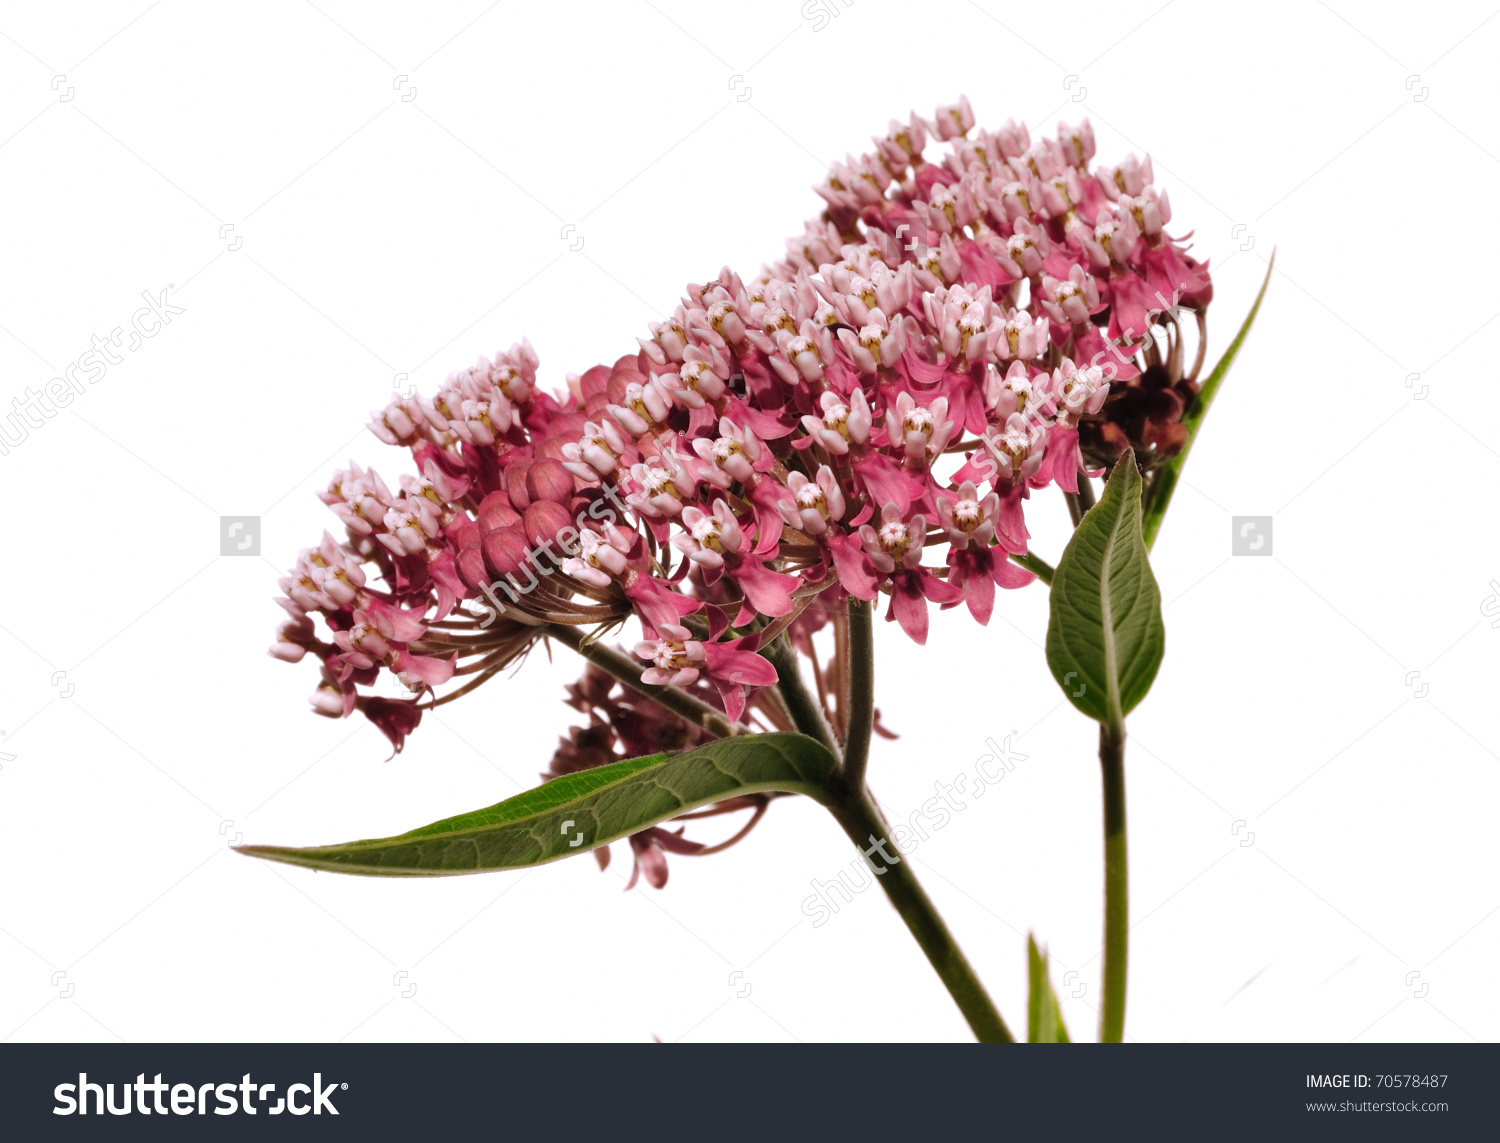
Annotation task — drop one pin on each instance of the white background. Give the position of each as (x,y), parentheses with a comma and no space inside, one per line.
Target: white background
(1336,700)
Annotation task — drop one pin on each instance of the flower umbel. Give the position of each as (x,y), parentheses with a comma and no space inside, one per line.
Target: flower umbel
(867,416)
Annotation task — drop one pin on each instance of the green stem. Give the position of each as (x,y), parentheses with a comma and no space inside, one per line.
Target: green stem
(1081,501)
(865,826)
(1085,492)
(1116,886)
(860,699)
(854,809)
(804,708)
(1035,564)
(1075,512)
(628,671)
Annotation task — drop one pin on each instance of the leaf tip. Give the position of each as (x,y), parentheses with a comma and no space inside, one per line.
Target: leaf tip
(264,852)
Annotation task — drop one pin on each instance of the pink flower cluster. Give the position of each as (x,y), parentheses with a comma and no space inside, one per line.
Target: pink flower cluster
(771,441)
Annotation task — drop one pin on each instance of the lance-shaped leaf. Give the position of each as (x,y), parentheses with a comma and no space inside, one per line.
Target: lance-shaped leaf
(1164,482)
(580,812)
(1105,637)
(1044,1022)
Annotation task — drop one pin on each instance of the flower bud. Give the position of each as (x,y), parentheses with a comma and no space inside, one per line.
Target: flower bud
(471,568)
(544,520)
(495,512)
(328,702)
(549,480)
(505,551)
(515,482)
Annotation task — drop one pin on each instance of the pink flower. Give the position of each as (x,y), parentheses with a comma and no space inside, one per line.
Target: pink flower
(709,536)
(1071,300)
(735,455)
(601,558)
(921,433)
(954,120)
(968,518)
(678,659)
(645,408)
(879,341)
(694,385)
(975,567)
(597,452)
(840,423)
(773,439)
(894,542)
(814,502)
(659,490)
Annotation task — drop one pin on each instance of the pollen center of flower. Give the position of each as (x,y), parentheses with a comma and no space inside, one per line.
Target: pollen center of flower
(717,313)
(477,411)
(944,200)
(671,656)
(966,514)
(1016,445)
(1076,390)
(811,496)
(706,532)
(918,420)
(895,538)
(1103,234)
(590,544)
(777,318)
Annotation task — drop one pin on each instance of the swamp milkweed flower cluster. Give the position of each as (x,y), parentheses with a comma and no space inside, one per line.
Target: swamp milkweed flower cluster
(867,417)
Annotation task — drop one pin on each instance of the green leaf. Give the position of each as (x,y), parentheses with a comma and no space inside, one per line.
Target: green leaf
(579,812)
(1105,636)
(1164,482)
(1044,1022)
